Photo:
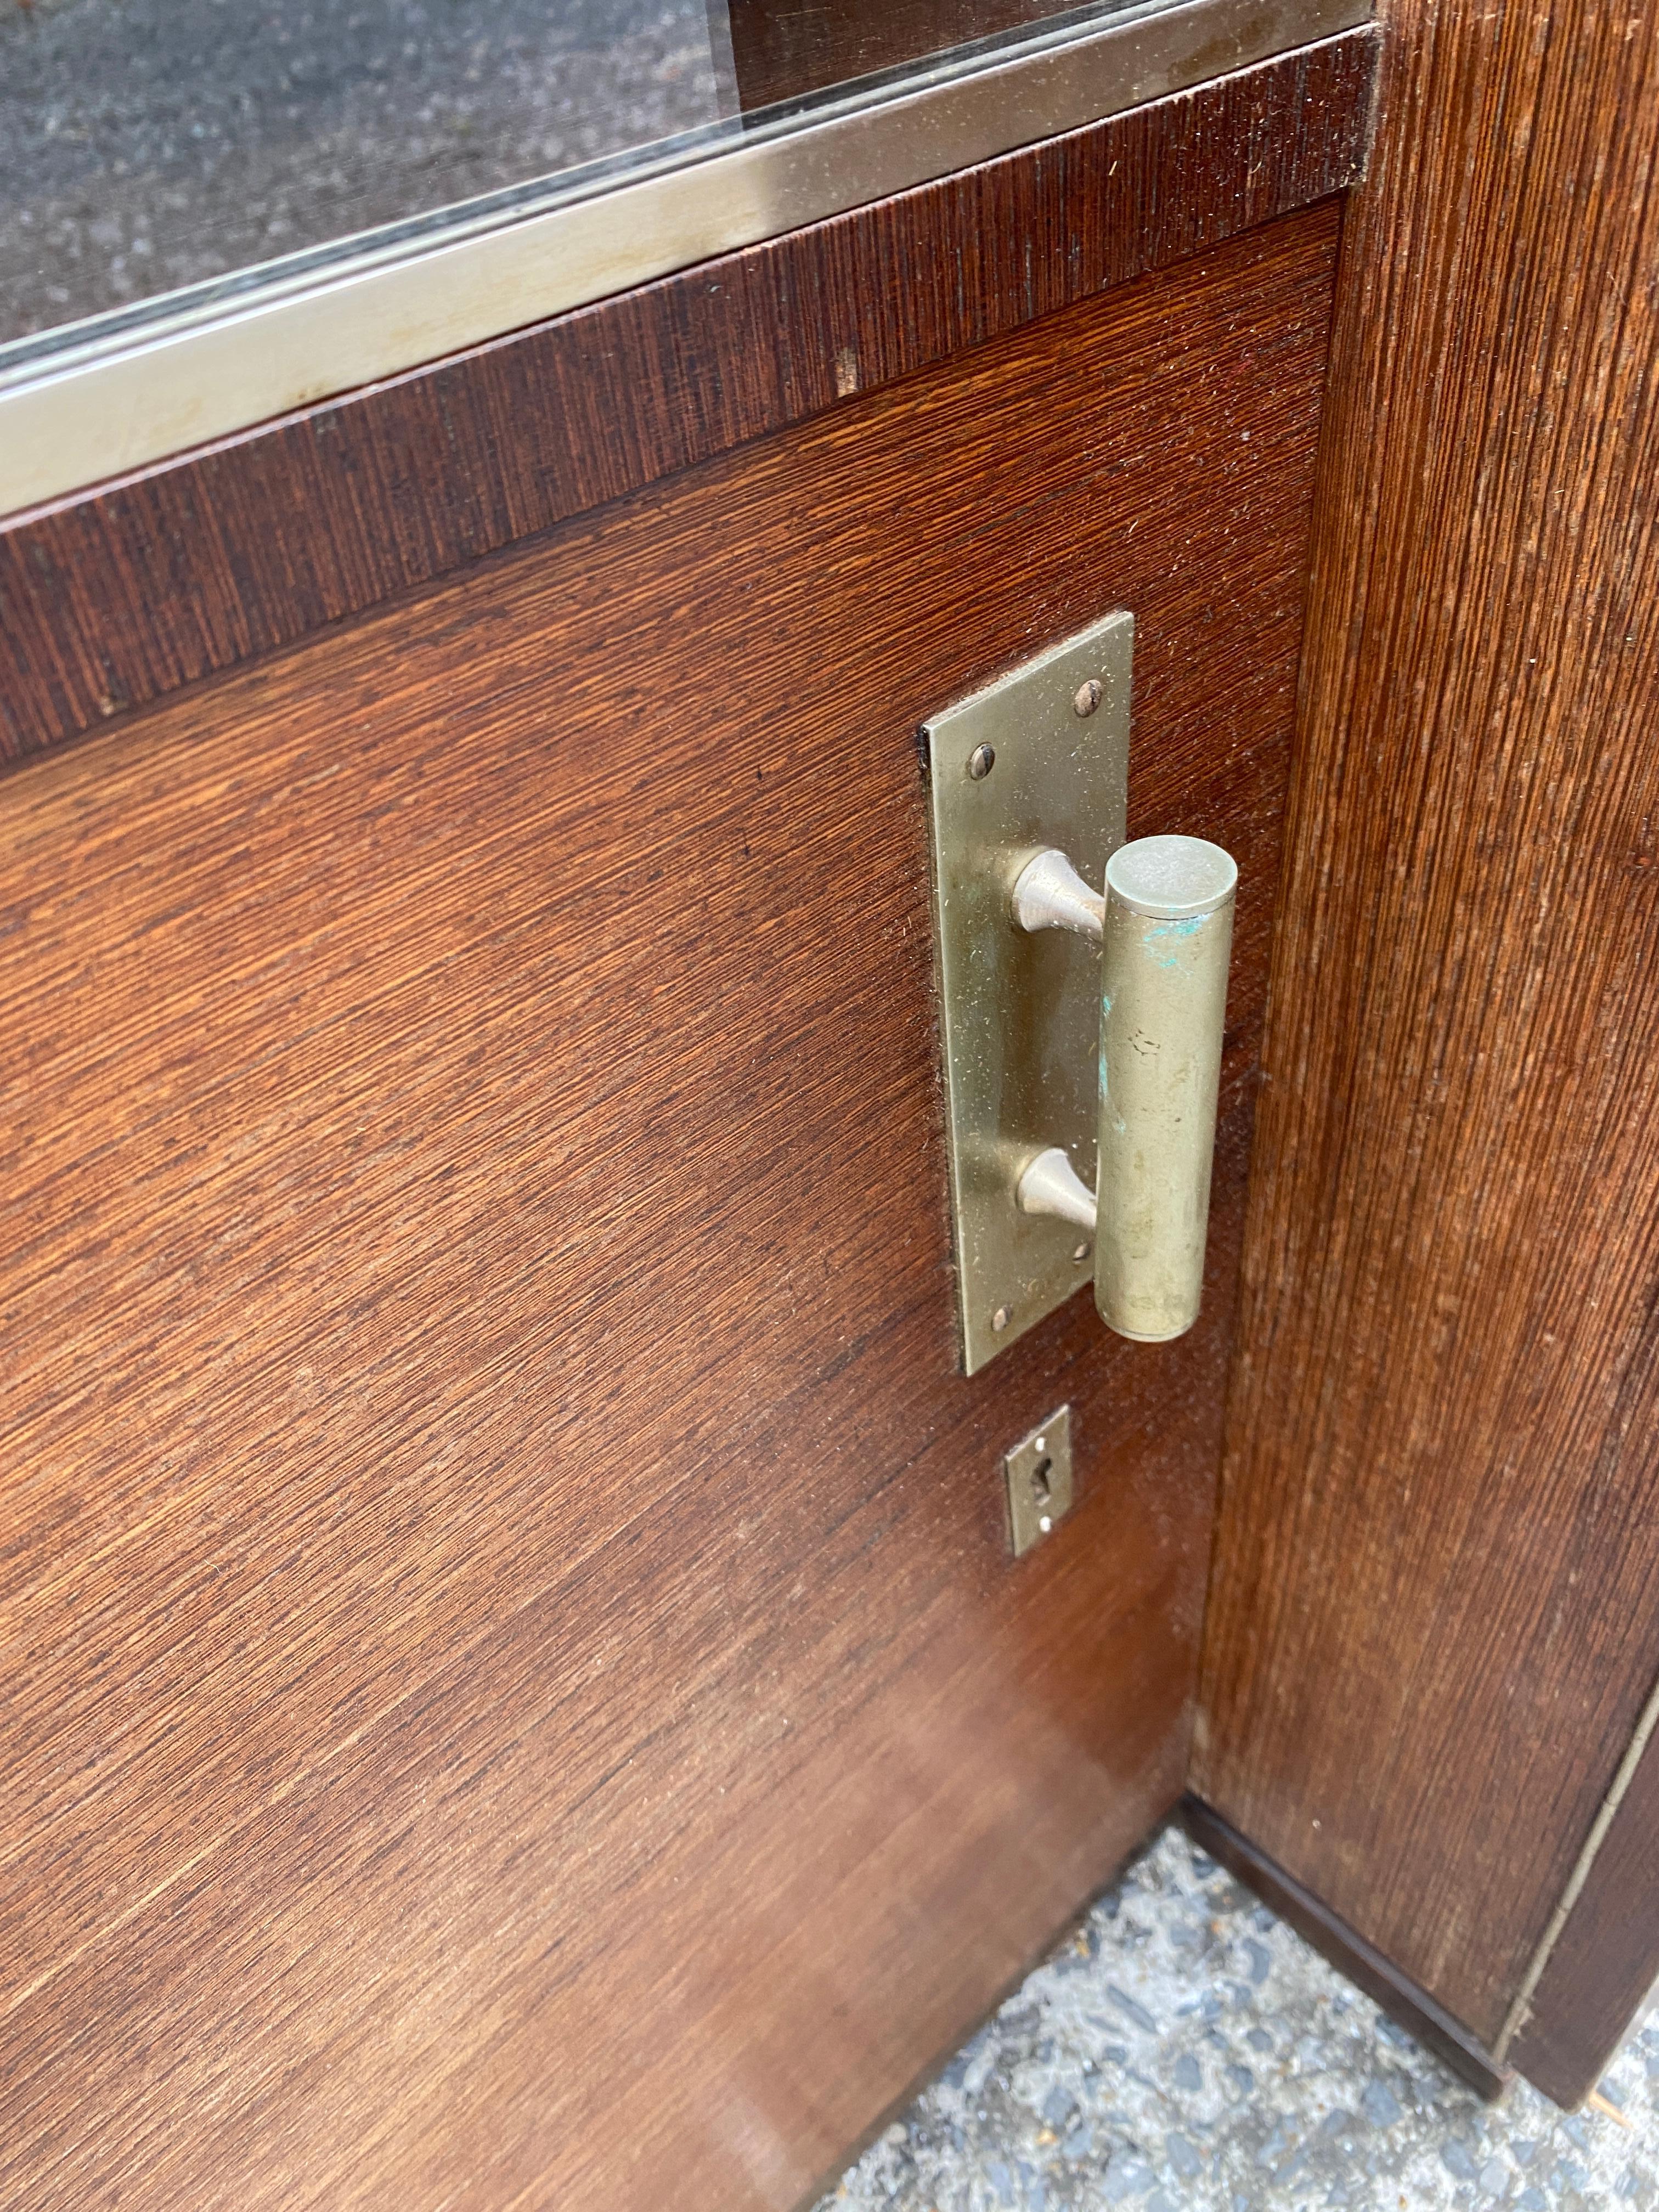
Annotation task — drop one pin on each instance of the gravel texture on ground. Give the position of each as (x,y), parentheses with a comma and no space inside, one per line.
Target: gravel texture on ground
(148,144)
(1185,2051)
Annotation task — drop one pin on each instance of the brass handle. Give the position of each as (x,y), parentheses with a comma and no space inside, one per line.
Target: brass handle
(1164,926)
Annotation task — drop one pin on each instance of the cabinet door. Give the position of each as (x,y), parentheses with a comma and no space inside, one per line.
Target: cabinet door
(519,1691)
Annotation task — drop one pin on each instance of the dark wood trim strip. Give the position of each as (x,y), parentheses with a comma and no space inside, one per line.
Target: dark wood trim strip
(1606,1958)
(1401,1999)
(118,596)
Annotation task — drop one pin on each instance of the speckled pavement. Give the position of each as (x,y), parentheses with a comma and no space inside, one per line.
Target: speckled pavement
(1186,2052)
(146,144)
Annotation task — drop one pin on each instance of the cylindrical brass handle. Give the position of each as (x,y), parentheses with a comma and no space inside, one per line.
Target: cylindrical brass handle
(1167,940)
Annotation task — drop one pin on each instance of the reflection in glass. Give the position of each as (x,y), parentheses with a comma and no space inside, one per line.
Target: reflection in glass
(783,49)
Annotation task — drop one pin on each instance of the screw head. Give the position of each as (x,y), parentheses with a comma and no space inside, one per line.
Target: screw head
(1082,1253)
(1085,699)
(980,762)
(999,1319)
(1045,1524)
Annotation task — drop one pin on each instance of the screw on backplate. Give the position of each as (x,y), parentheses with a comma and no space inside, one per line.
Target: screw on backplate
(980,762)
(1085,698)
(999,1319)
(1082,1253)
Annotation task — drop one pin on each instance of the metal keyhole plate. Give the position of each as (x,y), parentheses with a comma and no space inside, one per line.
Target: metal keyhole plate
(1039,1477)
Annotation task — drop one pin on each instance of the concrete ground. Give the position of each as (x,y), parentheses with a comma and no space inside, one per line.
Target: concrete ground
(1187,2052)
(147,144)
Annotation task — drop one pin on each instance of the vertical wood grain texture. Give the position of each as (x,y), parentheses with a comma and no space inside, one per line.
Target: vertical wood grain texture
(110,601)
(517,1692)
(1435,1610)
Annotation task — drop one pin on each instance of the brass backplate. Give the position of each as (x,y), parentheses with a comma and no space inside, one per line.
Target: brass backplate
(1039,1477)
(1014,769)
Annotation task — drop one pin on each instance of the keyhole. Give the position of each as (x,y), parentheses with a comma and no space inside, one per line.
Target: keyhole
(1037,1476)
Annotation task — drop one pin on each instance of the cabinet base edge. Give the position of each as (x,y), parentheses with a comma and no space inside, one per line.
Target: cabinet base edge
(1405,2004)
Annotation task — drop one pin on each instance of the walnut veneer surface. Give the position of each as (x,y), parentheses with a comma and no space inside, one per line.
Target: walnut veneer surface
(516,1690)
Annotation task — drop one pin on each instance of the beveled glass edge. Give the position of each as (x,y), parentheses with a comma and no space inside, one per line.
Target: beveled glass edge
(116,401)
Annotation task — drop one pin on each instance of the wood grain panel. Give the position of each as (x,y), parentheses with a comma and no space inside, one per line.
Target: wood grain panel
(110,601)
(517,1690)
(1436,1606)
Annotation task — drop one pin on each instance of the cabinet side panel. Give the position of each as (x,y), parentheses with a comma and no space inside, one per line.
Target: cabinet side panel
(1435,1614)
